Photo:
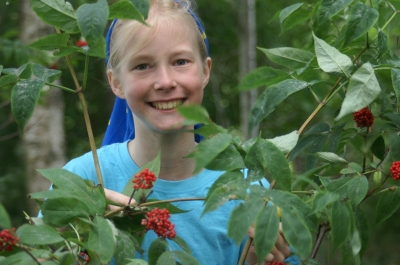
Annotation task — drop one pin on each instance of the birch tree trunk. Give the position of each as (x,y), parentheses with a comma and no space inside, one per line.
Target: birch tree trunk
(43,138)
(247,61)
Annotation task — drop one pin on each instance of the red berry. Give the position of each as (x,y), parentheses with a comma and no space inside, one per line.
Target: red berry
(81,43)
(363,118)
(144,180)
(8,240)
(276,263)
(157,220)
(54,66)
(395,170)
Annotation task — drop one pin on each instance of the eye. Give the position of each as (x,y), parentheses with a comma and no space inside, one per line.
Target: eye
(142,67)
(181,62)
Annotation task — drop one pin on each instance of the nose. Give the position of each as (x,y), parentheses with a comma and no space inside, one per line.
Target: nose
(164,79)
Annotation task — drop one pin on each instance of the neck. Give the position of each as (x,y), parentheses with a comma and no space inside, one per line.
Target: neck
(174,147)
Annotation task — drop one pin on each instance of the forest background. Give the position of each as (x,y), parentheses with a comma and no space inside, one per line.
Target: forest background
(225,27)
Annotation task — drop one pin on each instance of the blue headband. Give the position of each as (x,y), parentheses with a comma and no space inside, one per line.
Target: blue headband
(121,127)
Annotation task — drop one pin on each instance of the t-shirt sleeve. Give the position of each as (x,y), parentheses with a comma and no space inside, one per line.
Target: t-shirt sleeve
(83,166)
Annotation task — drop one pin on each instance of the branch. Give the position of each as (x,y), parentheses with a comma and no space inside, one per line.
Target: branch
(324,228)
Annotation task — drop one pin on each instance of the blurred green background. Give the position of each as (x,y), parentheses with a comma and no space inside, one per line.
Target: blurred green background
(221,19)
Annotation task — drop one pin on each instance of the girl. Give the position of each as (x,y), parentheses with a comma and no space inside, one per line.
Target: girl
(156,69)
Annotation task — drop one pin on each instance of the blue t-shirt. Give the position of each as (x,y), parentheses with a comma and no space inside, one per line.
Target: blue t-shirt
(206,235)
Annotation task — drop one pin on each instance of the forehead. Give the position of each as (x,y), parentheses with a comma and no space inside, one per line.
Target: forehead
(162,32)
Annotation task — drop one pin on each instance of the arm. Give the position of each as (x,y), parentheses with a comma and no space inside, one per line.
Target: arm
(279,252)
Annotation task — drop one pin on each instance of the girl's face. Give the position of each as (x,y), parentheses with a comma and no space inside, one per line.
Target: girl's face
(166,73)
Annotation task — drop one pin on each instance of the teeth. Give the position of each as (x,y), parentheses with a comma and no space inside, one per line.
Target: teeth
(167,105)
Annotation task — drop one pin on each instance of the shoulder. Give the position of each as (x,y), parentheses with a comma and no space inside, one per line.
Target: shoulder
(108,156)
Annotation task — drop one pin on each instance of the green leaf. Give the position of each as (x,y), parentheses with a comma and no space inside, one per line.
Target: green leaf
(266,230)
(361,19)
(125,9)
(92,20)
(38,235)
(124,248)
(242,217)
(329,8)
(15,71)
(329,157)
(8,79)
(287,11)
(66,180)
(136,262)
(362,226)
(207,150)
(396,83)
(304,179)
(357,189)
(24,258)
(346,254)
(322,199)
(266,155)
(316,134)
(165,205)
(288,202)
(185,258)
(331,60)
(339,186)
(101,239)
(24,96)
(61,211)
(142,5)
(394,147)
(292,58)
(229,185)
(362,90)
(57,13)
(180,242)
(44,73)
(209,130)
(1,69)
(67,50)
(228,160)
(272,97)
(295,18)
(156,249)
(262,76)
(286,142)
(388,204)
(340,224)
(153,166)
(378,148)
(296,233)
(167,258)
(194,114)
(51,42)
(383,44)
(5,221)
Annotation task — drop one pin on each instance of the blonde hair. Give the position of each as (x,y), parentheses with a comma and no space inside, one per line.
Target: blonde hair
(161,12)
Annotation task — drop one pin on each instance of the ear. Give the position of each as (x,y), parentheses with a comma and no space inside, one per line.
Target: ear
(115,84)
(206,71)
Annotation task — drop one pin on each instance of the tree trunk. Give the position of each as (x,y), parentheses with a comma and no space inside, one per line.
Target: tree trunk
(43,138)
(247,61)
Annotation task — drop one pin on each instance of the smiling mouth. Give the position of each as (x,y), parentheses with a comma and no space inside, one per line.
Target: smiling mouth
(167,105)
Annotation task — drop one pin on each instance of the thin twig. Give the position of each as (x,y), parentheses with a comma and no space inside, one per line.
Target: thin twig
(325,228)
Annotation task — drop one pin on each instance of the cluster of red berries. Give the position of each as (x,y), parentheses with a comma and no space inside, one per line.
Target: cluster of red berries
(8,240)
(157,220)
(276,263)
(144,180)
(395,169)
(363,118)
(81,43)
